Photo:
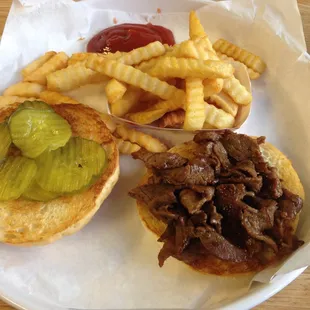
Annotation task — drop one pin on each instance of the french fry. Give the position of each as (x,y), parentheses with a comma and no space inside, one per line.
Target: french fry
(194,105)
(134,136)
(212,87)
(224,102)
(249,59)
(56,62)
(204,49)
(170,105)
(133,77)
(208,126)
(126,147)
(107,119)
(51,97)
(146,96)
(115,91)
(168,67)
(237,91)
(24,89)
(82,57)
(252,74)
(8,100)
(146,117)
(140,54)
(196,30)
(124,105)
(186,49)
(73,77)
(218,118)
(37,63)
(174,119)
(144,66)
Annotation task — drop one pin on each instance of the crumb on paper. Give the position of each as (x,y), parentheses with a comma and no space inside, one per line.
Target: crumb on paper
(115,21)
(158,10)
(81,38)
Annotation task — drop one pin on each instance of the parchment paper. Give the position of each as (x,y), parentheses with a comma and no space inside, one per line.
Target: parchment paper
(112,262)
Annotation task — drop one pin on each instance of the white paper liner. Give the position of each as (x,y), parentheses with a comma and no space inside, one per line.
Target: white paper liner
(112,263)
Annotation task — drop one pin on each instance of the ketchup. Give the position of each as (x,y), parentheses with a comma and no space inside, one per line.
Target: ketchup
(126,37)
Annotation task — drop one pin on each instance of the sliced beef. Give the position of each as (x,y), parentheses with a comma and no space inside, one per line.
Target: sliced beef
(241,147)
(272,187)
(247,167)
(166,213)
(214,217)
(261,140)
(198,219)
(204,150)
(218,246)
(252,183)
(191,200)
(191,174)
(289,205)
(164,160)
(228,194)
(206,136)
(154,195)
(257,221)
(221,154)
(206,191)
(154,179)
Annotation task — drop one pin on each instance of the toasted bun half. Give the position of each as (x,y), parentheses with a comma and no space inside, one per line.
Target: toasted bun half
(209,263)
(24,222)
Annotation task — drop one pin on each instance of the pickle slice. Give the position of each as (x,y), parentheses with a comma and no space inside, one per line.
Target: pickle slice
(36,192)
(37,105)
(5,140)
(34,131)
(16,174)
(72,167)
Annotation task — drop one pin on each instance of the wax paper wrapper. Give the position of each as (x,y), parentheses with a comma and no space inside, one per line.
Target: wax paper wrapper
(112,262)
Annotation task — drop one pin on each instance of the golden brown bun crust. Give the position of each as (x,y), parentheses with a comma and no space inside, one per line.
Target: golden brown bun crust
(209,263)
(24,222)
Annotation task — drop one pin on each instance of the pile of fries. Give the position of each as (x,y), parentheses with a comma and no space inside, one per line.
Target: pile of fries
(190,85)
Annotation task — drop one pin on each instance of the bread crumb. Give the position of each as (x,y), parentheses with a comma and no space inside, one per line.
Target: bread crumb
(158,10)
(114,20)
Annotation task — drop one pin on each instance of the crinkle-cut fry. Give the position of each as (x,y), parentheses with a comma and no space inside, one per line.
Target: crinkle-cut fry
(212,87)
(34,65)
(174,119)
(146,117)
(218,118)
(237,91)
(170,105)
(194,105)
(146,96)
(196,30)
(107,119)
(124,105)
(57,62)
(186,49)
(51,97)
(126,147)
(144,66)
(249,59)
(205,49)
(252,74)
(133,77)
(8,100)
(224,102)
(208,126)
(115,90)
(136,56)
(82,57)
(73,77)
(148,142)
(24,89)
(168,67)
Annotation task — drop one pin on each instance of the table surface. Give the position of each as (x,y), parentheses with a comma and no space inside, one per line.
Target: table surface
(297,294)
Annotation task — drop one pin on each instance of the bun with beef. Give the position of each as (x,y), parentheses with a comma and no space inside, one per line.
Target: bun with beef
(224,203)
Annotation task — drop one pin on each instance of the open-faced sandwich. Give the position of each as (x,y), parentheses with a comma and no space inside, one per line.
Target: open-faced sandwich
(57,165)
(224,203)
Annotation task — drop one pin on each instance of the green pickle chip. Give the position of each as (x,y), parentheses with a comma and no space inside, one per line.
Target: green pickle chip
(36,192)
(72,167)
(34,131)
(16,174)
(5,140)
(36,104)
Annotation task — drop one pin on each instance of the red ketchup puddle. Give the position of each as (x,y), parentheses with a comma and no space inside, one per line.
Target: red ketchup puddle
(126,37)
